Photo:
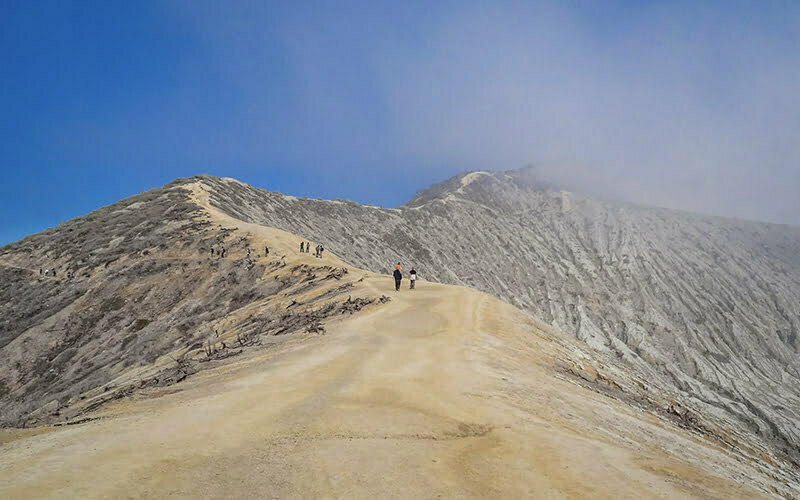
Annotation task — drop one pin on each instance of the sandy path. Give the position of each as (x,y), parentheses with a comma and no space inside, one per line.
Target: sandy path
(444,392)
(418,398)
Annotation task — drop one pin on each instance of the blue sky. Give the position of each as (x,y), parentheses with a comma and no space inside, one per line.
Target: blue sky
(692,105)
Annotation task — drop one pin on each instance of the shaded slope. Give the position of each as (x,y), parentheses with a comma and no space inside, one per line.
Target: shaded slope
(147,305)
(706,305)
(680,321)
(443,392)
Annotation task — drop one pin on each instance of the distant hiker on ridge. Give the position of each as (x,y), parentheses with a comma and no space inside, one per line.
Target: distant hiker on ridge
(398,277)
(301,247)
(308,246)
(266,251)
(212,252)
(321,249)
(222,252)
(412,278)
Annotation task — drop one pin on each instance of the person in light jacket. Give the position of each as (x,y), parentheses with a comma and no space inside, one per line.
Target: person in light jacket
(412,277)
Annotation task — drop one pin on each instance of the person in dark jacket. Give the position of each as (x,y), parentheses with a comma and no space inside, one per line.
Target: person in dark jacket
(398,277)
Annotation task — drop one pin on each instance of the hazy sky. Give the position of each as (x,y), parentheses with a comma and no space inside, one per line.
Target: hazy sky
(693,105)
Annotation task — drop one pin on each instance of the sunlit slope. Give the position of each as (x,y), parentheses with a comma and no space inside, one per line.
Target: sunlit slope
(298,378)
(140,301)
(705,305)
(442,391)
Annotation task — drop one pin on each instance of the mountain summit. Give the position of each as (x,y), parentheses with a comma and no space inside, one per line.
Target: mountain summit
(492,187)
(685,319)
(706,305)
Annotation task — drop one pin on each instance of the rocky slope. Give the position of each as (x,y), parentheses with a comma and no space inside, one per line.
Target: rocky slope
(705,305)
(443,392)
(137,300)
(693,318)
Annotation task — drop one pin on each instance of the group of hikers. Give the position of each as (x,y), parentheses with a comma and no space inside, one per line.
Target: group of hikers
(398,277)
(52,272)
(305,247)
(220,252)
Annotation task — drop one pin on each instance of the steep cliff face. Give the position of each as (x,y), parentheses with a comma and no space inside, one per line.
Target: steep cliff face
(707,305)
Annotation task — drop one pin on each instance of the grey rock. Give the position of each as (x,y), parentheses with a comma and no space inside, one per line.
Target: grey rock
(701,312)
(145,287)
(706,305)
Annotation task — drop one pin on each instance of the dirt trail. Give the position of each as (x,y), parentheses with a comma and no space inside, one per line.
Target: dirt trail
(444,392)
(412,399)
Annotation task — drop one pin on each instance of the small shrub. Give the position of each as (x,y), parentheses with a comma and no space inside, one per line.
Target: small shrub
(139,324)
(127,341)
(112,304)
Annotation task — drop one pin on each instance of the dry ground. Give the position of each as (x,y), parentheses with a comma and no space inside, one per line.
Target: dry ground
(444,392)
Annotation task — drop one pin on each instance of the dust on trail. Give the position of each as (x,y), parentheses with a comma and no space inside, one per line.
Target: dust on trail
(415,398)
(442,392)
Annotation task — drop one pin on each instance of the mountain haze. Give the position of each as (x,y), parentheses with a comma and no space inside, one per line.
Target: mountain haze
(704,304)
(684,322)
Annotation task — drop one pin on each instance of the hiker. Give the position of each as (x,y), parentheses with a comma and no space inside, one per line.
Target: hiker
(321,249)
(248,252)
(308,246)
(40,271)
(398,277)
(266,251)
(54,273)
(316,251)
(412,277)
(47,272)
(222,254)
(301,247)
(212,252)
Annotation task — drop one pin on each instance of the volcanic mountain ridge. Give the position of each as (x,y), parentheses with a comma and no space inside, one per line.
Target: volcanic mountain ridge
(677,318)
